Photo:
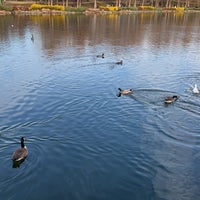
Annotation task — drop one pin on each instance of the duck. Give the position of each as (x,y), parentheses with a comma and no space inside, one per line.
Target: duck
(100,56)
(119,62)
(124,92)
(32,37)
(169,100)
(195,89)
(20,153)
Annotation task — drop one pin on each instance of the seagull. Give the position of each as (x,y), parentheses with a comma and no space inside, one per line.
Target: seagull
(195,89)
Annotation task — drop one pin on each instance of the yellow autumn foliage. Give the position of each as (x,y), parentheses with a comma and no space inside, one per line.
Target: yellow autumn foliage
(39,7)
(109,8)
(146,8)
(176,8)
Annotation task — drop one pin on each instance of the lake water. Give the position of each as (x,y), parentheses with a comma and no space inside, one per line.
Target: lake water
(84,142)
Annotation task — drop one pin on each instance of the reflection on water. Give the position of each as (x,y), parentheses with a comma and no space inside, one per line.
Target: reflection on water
(84,142)
(55,32)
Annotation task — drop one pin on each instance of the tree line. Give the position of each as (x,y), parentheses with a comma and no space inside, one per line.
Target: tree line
(125,3)
(119,3)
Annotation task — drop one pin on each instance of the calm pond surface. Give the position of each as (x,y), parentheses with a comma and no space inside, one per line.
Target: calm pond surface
(84,142)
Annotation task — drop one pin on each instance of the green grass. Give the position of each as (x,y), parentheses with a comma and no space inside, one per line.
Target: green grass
(128,8)
(73,9)
(6,8)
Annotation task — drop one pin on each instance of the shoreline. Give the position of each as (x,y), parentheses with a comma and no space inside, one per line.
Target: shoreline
(89,11)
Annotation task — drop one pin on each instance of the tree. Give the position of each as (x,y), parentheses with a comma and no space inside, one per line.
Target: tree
(142,3)
(157,3)
(95,4)
(168,3)
(78,3)
(187,3)
(118,3)
(134,3)
(67,3)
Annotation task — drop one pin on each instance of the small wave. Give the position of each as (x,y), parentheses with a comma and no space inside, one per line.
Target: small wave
(14,127)
(151,96)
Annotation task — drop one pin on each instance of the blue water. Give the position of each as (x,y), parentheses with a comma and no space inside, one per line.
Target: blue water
(84,142)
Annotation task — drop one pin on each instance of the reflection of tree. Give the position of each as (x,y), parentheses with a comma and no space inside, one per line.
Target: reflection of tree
(58,32)
(61,32)
(72,30)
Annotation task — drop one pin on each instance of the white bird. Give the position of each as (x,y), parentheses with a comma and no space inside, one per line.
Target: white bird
(195,89)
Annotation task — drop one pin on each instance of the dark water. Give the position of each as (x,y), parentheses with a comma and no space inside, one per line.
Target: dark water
(84,142)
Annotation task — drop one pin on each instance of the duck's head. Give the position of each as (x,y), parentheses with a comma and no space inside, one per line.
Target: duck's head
(175,97)
(22,142)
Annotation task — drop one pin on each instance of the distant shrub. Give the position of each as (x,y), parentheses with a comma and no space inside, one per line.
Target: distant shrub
(180,8)
(197,8)
(109,8)
(176,8)
(39,7)
(146,8)
(74,9)
(128,8)
(6,8)
(133,8)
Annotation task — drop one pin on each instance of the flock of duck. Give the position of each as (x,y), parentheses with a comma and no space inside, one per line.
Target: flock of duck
(167,100)
(102,56)
(21,153)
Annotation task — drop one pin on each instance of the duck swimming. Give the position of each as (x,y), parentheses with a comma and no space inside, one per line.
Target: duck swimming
(32,37)
(195,90)
(124,92)
(20,153)
(100,56)
(119,62)
(169,100)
